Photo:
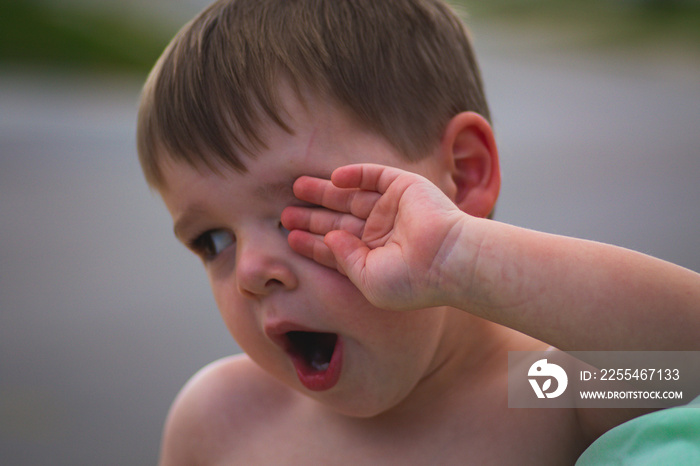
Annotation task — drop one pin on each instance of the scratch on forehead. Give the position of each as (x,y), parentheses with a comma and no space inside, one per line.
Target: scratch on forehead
(312,137)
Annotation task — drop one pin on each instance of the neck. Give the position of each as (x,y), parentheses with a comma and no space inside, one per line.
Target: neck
(471,356)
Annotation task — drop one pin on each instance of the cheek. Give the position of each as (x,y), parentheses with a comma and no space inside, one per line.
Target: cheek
(244,326)
(241,324)
(394,335)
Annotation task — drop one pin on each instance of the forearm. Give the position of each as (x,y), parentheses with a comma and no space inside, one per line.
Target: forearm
(582,295)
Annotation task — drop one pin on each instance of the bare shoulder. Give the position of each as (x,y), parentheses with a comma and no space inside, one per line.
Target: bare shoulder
(218,408)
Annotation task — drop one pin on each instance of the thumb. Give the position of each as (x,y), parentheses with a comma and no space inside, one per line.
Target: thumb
(350,253)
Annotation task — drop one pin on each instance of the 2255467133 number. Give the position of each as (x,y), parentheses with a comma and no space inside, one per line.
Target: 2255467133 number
(639,374)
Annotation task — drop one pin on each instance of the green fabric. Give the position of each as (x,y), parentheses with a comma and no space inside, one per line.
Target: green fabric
(667,437)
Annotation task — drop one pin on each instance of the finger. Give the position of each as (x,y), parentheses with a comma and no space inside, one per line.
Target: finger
(320,221)
(350,253)
(324,193)
(312,247)
(310,189)
(368,177)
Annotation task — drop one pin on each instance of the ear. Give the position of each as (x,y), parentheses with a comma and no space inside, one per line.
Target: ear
(469,148)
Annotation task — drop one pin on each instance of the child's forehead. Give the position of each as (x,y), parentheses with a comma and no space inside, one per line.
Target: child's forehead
(268,177)
(316,139)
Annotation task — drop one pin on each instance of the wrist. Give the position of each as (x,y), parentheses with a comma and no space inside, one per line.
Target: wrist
(462,269)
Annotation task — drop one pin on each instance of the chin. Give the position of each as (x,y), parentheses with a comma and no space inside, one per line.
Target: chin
(358,402)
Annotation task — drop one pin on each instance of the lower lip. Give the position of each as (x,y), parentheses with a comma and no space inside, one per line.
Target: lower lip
(318,381)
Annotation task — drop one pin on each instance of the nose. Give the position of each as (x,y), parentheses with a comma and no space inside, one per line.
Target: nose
(263,266)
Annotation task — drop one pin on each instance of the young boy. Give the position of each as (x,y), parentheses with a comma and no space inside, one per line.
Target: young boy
(377,330)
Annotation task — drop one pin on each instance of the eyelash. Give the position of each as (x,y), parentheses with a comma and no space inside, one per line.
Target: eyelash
(205,245)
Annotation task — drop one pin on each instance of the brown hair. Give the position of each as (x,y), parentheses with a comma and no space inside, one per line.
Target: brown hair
(401,68)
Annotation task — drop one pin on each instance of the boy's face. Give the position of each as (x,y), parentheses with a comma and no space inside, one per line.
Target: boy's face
(304,323)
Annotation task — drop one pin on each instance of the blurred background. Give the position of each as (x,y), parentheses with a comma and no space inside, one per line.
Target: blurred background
(103,315)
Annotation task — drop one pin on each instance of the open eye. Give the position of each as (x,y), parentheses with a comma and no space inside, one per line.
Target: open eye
(210,243)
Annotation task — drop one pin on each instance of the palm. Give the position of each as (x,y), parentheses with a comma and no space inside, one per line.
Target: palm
(386,229)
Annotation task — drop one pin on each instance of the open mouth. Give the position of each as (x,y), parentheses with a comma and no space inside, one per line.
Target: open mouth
(314,349)
(317,358)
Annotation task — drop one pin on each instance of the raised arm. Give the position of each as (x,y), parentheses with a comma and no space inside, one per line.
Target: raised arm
(406,246)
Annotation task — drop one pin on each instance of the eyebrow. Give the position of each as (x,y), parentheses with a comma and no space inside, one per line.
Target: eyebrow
(274,190)
(188,217)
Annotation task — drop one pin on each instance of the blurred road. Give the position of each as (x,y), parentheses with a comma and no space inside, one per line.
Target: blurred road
(103,316)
